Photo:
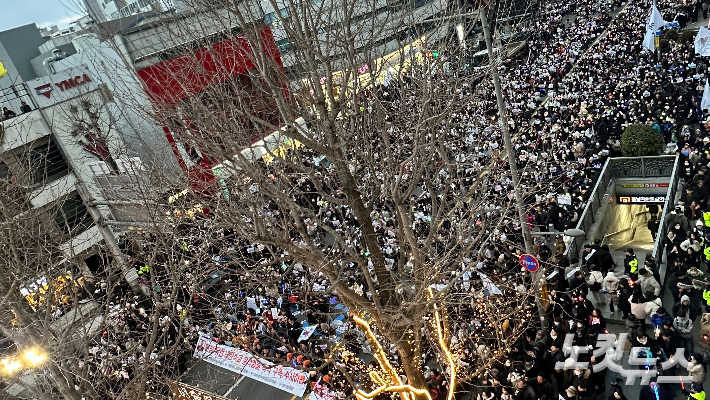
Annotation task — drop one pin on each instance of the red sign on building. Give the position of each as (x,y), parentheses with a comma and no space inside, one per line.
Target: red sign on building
(171,81)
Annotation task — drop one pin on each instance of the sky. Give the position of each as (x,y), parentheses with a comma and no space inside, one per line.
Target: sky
(42,12)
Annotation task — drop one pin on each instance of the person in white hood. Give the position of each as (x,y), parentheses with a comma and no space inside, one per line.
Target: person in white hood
(610,287)
(594,281)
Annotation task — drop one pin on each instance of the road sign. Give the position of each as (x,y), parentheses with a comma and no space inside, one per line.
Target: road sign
(529,262)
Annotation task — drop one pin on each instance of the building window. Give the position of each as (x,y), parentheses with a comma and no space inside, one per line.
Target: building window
(284,45)
(46,163)
(420,3)
(72,216)
(272,18)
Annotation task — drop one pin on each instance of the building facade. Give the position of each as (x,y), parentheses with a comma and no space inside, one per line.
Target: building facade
(58,158)
(170,73)
(108,10)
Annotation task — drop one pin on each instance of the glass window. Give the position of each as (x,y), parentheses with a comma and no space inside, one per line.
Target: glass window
(273,18)
(72,216)
(46,163)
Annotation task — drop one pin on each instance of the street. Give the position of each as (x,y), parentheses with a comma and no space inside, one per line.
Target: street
(232,386)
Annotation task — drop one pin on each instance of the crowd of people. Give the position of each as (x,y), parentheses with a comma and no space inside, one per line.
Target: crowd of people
(588,77)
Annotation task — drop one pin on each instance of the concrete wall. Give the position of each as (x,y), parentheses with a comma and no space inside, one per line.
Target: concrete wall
(22,45)
(36,62)
(13,75)
(23,129)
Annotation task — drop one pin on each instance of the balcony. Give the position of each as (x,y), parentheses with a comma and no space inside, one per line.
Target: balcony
(81,242)
(21,130)
(53,191)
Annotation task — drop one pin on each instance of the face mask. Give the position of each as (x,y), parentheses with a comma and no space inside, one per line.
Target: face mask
(578,373)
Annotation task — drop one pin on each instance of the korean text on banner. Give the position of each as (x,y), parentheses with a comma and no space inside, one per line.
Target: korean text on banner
(287,379)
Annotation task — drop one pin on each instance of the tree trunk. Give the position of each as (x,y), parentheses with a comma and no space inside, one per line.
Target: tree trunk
(411,359)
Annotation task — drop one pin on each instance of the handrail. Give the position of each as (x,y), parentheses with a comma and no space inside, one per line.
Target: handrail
(590,202)
(625,229)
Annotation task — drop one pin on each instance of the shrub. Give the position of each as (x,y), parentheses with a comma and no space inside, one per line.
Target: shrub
(687,37)
(641,140)
(672,34)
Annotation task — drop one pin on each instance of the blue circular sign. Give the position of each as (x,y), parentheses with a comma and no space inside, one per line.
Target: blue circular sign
(529,262)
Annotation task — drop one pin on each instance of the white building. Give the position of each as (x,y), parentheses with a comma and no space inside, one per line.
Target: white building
(108,10)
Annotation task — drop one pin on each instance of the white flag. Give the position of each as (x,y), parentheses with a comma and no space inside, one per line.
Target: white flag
(655,22)
(705,102)
(702,42)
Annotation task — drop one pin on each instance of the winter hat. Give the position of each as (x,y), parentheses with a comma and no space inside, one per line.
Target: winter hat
(695,387)
(630,251)
(684,298)
(699,223)
(661,310)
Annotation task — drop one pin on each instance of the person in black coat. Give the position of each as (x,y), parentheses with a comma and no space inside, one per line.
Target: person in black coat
(524,391)
(606,261)
(625,292)
(543,387)
(578,285)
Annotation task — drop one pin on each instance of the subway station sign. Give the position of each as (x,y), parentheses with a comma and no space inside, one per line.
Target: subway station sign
(644,185)
(641,199)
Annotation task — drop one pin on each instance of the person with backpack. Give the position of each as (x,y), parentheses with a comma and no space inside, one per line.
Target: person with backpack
(684,326)
(594,282)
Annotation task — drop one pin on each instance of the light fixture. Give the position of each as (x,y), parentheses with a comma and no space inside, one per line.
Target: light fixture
(33,357)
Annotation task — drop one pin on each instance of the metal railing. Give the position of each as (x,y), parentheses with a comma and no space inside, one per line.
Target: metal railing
(632,227)
(624,167)
(586,220)
(12,96)
(667,207)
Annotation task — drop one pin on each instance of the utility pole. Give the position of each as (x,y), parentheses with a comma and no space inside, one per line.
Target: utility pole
(505,130)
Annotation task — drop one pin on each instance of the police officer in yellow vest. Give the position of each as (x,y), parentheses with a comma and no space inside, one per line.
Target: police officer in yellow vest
(631,264)
(696,392)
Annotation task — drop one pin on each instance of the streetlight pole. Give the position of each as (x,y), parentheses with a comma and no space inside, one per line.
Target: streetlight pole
(537,277)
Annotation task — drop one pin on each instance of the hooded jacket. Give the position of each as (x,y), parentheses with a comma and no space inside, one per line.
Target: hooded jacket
(649,284)
(653,306)
(611,283)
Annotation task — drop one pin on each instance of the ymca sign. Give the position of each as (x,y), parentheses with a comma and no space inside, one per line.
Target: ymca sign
(46,89)
(73,82)
(64,85)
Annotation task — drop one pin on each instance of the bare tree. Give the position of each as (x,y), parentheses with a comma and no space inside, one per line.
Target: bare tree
(362,172)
